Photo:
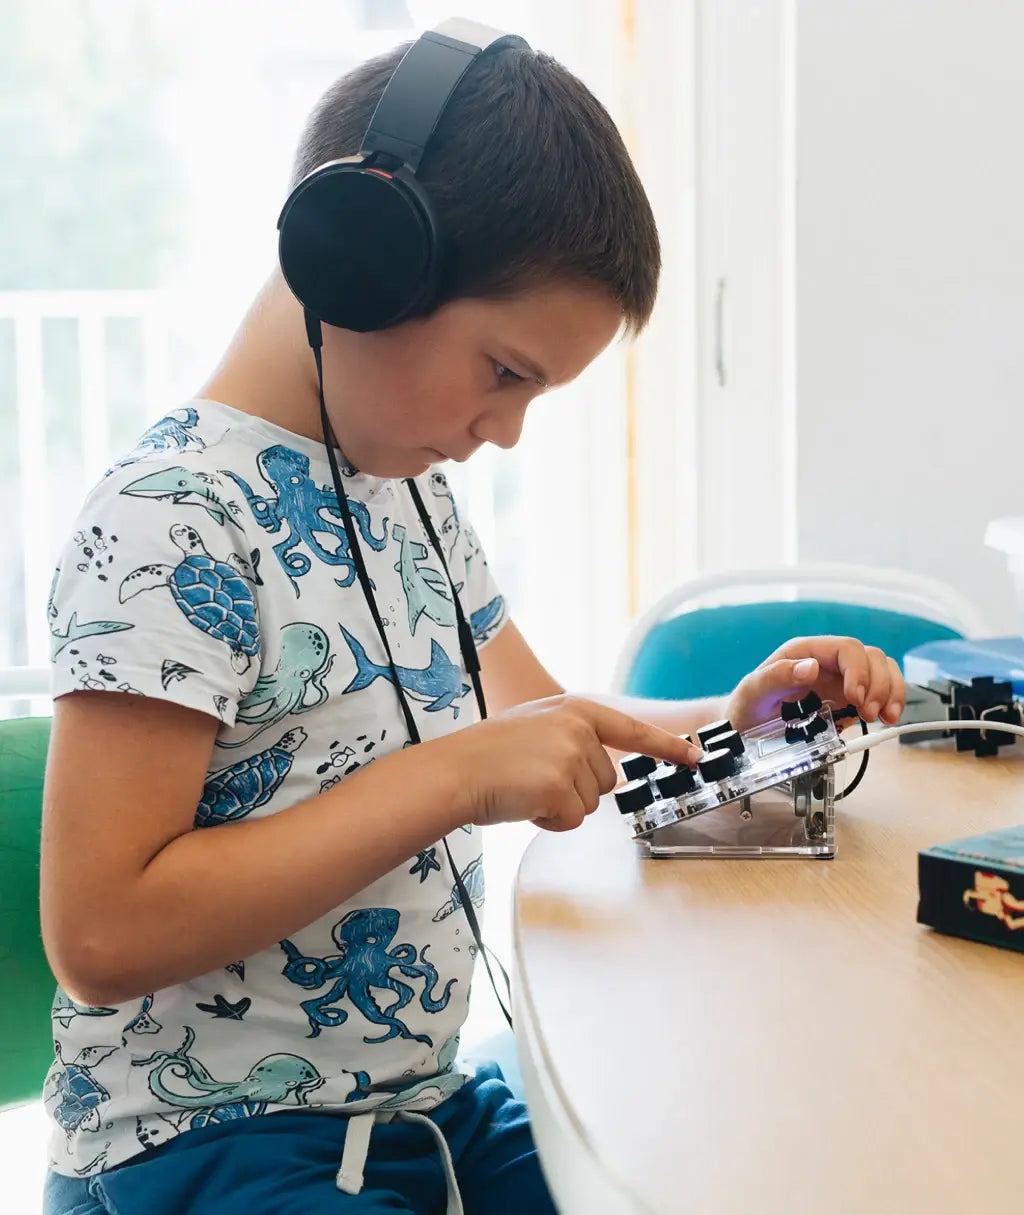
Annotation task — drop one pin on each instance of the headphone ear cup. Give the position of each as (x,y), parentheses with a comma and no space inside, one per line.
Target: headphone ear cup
(358,246)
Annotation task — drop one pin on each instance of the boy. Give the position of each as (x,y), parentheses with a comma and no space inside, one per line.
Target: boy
(256,895)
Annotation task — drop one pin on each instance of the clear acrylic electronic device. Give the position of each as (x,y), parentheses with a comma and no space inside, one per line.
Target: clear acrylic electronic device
(767,793)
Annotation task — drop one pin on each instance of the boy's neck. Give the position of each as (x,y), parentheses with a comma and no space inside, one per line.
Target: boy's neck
(268,369)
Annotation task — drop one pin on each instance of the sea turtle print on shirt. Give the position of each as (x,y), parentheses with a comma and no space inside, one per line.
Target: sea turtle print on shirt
(80,1095)
(214,596)
(235,791)
(172,602)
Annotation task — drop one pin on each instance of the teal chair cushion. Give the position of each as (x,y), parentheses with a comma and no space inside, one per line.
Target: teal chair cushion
(705,652)
(26,984)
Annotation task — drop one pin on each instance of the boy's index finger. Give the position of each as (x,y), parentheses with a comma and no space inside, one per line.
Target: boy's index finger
(625,733)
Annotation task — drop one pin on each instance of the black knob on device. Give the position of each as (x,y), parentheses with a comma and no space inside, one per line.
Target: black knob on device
(635,766)
(792,710)
(816,726)
(634,796)
(717,765)
(731,740)
(713,728)
(806,732)
(675,782)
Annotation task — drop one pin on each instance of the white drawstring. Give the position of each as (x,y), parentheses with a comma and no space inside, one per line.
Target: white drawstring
(357,1148)
(454,1197)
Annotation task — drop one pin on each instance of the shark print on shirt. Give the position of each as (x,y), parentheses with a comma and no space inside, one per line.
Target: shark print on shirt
(361,1007)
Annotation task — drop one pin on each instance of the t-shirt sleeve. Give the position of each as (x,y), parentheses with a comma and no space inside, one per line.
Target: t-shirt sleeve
(482,601)
(156,597)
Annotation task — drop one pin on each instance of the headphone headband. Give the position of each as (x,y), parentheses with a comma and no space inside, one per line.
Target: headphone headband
(421,86)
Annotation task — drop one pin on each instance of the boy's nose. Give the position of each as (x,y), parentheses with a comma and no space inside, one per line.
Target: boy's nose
(502,428)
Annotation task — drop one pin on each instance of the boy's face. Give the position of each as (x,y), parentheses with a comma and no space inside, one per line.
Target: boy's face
(439,388)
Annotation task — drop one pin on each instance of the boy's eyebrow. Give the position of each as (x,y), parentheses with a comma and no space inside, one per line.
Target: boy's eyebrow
(529,366)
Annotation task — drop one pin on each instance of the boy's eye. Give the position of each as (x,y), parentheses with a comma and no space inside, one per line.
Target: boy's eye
(505,374)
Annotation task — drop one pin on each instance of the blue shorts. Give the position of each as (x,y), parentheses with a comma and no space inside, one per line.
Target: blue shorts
(286,1163)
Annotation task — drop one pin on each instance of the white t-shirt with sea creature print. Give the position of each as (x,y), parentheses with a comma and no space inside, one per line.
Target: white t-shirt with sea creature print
(210,567)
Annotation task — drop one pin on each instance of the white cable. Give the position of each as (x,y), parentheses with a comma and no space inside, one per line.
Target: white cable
(922,727)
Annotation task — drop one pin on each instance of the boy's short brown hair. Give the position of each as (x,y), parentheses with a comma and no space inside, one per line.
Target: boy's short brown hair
(528,174)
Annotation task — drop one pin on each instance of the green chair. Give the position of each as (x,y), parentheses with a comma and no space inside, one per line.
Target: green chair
(26,982)
(702,637)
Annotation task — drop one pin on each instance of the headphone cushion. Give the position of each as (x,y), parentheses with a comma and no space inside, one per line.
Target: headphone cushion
(357,246)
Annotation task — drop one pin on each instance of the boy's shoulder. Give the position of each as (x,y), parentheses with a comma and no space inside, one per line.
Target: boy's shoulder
(196,434)
(199,455)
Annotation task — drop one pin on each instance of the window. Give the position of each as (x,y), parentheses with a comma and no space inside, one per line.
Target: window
(152,145)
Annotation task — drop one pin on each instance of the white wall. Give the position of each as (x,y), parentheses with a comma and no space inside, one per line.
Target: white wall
(910,284)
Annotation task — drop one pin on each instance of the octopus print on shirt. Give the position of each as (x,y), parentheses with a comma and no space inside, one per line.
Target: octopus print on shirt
(218,576)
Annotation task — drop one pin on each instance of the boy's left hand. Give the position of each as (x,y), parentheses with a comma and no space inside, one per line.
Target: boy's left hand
(840,669)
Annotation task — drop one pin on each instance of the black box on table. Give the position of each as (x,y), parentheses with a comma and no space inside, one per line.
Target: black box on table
(974,887)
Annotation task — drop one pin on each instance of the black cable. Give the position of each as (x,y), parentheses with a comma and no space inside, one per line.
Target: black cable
(850,711)
(467,646)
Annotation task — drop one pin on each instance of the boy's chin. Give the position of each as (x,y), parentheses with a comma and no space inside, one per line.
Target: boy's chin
(396,465)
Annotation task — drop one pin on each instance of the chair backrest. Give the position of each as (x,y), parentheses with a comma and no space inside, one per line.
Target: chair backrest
(26,982)
(705,635)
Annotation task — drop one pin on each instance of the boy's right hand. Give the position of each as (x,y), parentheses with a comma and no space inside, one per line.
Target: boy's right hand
(546,760)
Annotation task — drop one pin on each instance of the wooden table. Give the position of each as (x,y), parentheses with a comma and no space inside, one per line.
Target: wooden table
(774,1035)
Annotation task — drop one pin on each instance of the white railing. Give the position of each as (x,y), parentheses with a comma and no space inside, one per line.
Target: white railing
(24,682)
(563,486)
(45,500)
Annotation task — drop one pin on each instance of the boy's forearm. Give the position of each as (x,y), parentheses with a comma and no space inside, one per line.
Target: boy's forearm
(218,894)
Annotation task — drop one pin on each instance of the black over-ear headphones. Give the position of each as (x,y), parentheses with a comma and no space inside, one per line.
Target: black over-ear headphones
(359,244)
